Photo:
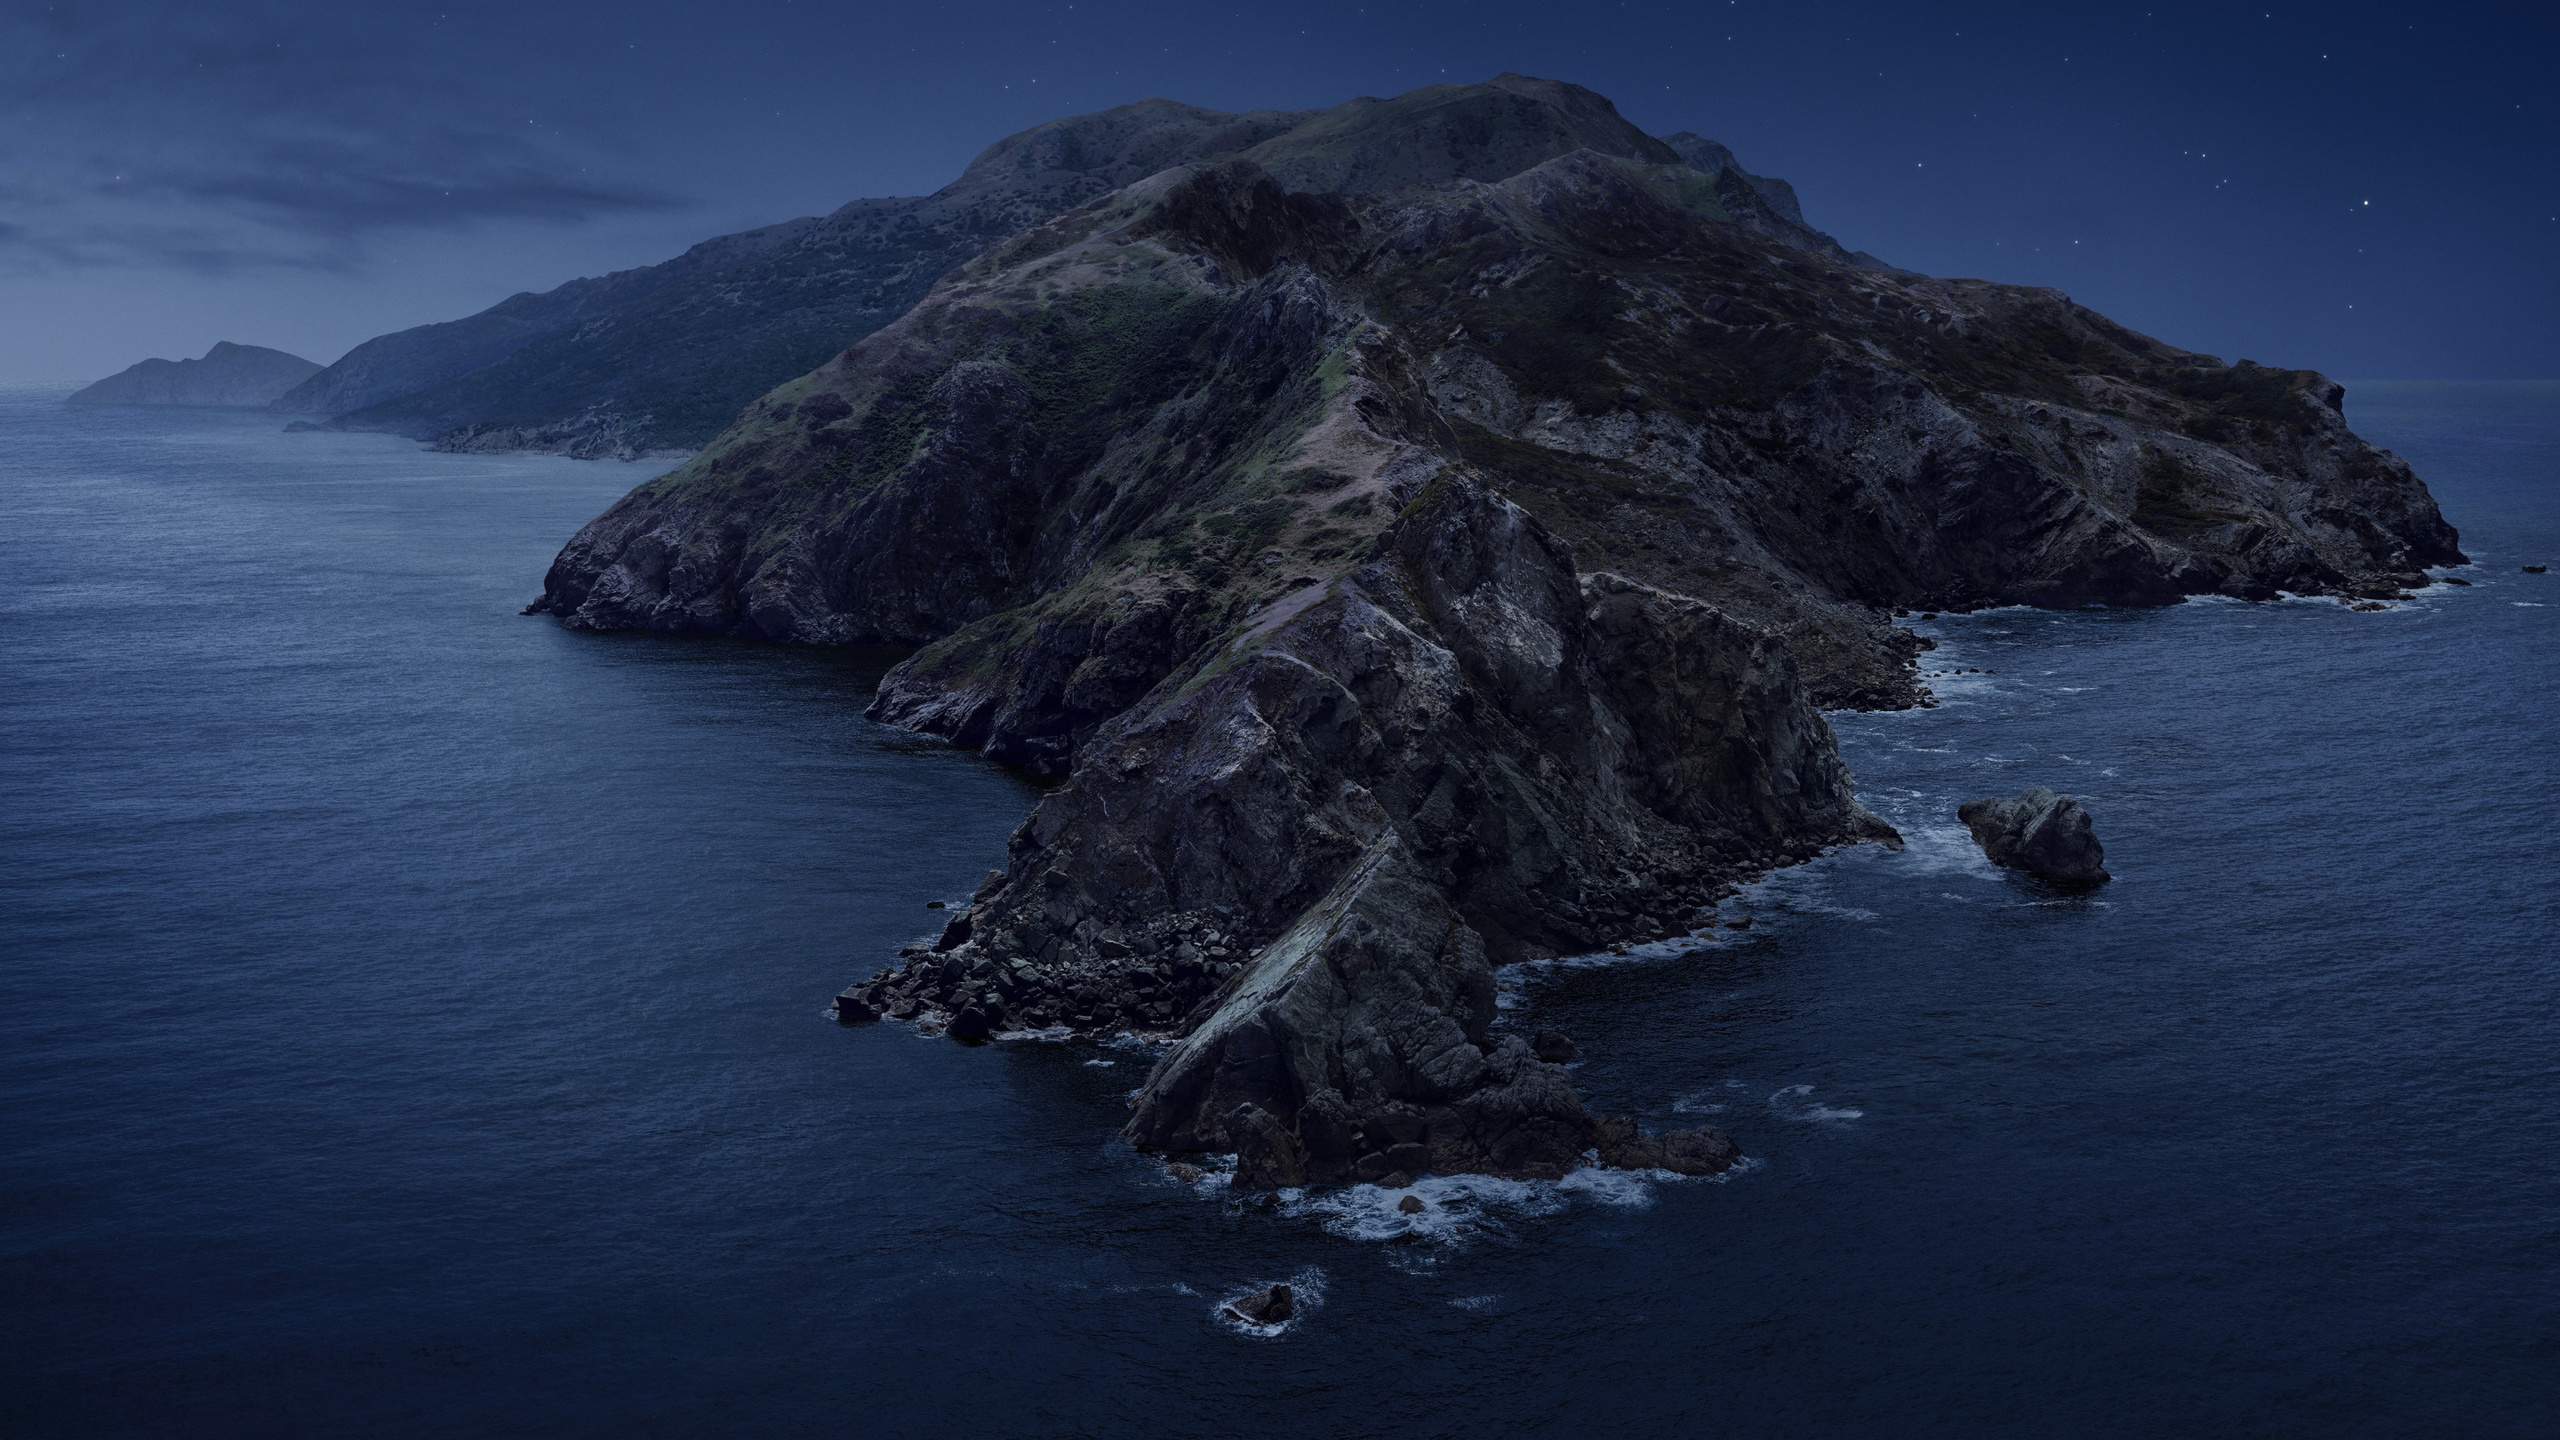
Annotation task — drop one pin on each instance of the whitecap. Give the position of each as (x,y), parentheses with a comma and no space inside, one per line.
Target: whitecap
(1106,1064)
(1473,1302)
(1791,1103)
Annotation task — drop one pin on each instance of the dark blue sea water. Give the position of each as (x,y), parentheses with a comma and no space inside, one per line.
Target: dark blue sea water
(415,1027)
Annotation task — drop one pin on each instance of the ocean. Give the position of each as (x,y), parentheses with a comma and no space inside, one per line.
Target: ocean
(420,1026)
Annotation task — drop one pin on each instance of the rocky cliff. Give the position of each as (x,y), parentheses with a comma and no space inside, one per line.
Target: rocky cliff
(1495,539)
(228,376)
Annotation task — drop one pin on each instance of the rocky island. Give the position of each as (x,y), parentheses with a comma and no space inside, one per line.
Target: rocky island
(1426,533)
(227,376)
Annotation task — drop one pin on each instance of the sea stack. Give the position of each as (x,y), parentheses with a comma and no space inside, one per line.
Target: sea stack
(2039,832)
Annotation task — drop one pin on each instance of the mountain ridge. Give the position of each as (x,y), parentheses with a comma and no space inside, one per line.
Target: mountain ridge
(662,357)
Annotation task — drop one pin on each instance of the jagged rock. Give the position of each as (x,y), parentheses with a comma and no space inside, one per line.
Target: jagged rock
(1187,1174)
(1360,1043)
(854,1007)
(970,1024)
(1411,1205)
(1271,1306)
(1552,1047)
(2039,832)
(1269,1153)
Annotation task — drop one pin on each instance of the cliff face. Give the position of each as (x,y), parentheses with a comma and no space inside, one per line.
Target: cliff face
(1103,442)
(1490,541)
(228,376)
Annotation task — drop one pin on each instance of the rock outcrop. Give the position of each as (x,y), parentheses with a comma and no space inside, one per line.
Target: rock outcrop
(227,377)
(1359,1046)
(2039,832)
(1270,1305)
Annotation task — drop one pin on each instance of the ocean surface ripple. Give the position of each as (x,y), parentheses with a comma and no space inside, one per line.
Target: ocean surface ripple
(419,1027)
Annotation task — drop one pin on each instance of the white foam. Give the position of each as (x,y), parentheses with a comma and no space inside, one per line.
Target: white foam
(1106,1064)
(1051,1035)
(1473,1302)
(1790,1104)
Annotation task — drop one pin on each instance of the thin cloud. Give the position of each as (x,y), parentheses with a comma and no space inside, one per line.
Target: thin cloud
(274,136)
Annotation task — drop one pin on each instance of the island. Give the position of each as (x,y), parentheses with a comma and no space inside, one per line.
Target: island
(228,376)
(1428,536)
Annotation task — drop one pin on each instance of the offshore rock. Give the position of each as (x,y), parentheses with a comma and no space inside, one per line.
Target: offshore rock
(1273,1305)
(2039,832)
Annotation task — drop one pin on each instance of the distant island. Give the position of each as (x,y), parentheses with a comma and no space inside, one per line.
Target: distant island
(243,377)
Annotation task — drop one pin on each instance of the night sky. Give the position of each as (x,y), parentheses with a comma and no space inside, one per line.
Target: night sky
(2372,190)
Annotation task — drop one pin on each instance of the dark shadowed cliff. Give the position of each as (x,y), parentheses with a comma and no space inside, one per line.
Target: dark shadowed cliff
(1413,578)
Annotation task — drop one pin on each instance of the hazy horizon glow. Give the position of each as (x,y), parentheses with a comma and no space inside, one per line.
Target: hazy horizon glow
(2360,189)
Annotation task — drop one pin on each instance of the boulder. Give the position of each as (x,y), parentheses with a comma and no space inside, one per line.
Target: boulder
(2039,832)
(1553,1047)
(1272,1306)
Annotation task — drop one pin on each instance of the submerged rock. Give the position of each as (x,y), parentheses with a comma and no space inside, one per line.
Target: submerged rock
(1704,1150)
(2039,832)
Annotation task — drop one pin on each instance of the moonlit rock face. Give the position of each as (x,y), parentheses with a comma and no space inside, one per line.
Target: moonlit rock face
(2039,832)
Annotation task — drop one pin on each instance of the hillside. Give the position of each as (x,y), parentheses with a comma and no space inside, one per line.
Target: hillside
(665,356)
(228,376)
